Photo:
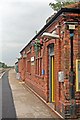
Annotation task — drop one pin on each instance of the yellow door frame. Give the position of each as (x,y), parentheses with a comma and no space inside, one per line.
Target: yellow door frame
(51,74)
(53,84)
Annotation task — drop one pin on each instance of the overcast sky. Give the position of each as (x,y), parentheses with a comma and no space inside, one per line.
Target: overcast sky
(19,19)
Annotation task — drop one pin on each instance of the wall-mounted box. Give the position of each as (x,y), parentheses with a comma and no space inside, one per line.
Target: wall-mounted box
(61,76)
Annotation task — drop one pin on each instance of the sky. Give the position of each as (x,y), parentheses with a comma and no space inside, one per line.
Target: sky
(19,21)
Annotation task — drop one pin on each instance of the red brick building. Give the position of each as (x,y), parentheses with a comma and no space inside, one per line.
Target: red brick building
(45,61)
(22,67)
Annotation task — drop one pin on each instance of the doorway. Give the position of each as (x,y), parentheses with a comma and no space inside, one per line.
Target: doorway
(51,74)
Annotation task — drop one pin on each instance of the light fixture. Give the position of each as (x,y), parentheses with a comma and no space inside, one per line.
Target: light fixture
(50,35)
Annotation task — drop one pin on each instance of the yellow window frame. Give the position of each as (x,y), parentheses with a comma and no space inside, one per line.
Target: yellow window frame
(77,74)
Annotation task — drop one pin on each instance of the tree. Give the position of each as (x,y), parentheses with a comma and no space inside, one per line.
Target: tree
(3,65)
(58,5)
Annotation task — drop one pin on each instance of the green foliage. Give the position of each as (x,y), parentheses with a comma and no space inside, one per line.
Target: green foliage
(3,65)
(58,5)
(37,46)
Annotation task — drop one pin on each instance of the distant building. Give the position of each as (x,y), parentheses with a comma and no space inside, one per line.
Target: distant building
(45,61)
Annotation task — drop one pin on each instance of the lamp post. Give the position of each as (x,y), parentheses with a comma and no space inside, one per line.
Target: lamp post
(72,73)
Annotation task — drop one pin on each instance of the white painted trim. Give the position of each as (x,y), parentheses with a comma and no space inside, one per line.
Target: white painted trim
(2,75)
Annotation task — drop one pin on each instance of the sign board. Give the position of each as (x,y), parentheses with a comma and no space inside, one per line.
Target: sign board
(32,59)
(43,72)
(71,27)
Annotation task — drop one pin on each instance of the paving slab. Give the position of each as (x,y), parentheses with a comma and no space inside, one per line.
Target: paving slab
(27,104)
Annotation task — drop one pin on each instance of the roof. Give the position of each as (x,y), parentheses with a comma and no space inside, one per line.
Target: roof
(68,10)
(16,62)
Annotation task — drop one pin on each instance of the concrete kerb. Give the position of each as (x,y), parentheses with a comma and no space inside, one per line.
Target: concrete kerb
(3,73)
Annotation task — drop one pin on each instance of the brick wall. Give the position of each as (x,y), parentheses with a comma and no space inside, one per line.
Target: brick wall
(39,82)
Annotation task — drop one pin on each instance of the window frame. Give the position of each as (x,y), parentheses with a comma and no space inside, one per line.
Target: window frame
(38,65)
(77,74)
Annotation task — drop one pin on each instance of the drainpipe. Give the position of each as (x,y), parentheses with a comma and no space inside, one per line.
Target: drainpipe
(72,75)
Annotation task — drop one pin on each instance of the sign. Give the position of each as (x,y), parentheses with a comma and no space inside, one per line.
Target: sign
(71,34)
(43,72)
(71,27)
(32,59)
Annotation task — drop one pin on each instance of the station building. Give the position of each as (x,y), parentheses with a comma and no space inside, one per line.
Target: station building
(45,62)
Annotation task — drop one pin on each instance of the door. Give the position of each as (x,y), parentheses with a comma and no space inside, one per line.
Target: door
(51,74)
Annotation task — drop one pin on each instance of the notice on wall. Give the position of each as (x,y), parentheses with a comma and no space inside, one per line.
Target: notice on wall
(32,59)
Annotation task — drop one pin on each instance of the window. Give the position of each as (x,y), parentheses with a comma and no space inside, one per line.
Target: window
(51,49)
(28,62)
(38,64)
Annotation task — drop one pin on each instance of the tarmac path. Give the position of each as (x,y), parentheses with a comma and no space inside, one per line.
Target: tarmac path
(19,102)
(8,109)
